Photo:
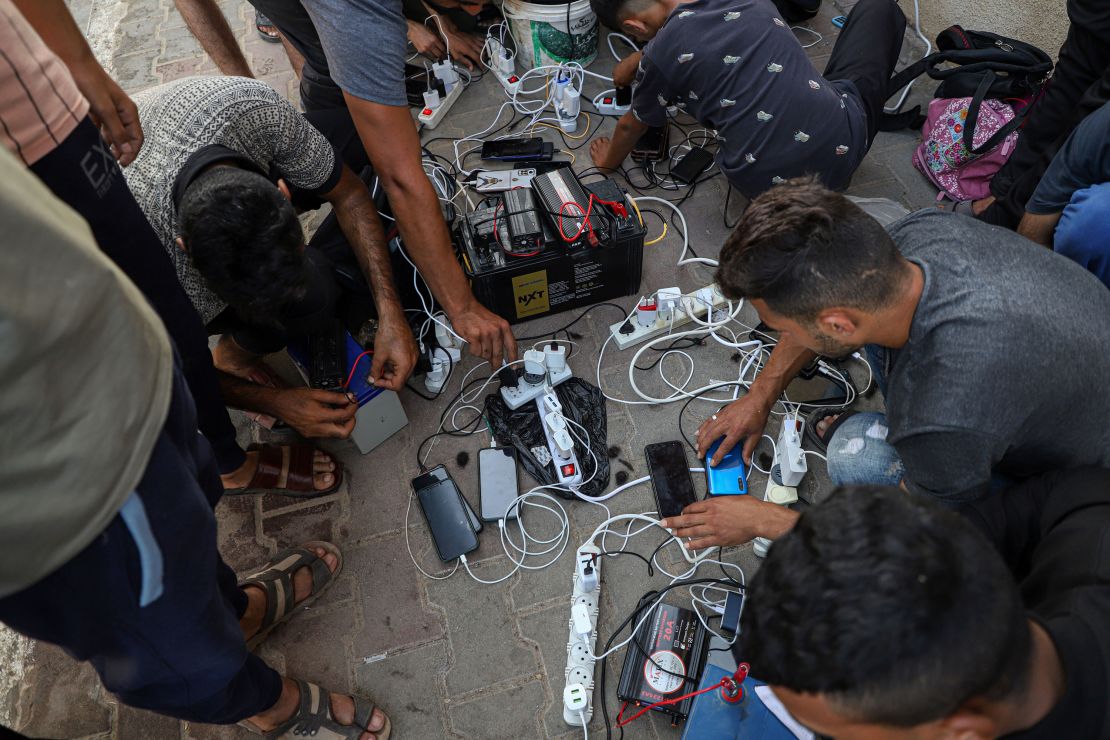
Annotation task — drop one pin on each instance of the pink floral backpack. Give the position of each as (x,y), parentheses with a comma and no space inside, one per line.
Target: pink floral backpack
(963,172)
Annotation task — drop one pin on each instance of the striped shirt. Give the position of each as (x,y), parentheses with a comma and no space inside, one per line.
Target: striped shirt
(41,104)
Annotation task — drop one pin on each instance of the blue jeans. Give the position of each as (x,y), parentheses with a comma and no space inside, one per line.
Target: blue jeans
(1081,233)
(858,452)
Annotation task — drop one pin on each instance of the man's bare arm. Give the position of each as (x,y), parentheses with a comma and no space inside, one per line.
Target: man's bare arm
(207,23)
(608,154)
(1038,227)
(390,138)
(394,348)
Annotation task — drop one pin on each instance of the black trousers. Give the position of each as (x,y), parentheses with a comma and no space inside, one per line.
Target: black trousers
(1079,86)
(83,174)
(318,90)
(155,609)
(866,53)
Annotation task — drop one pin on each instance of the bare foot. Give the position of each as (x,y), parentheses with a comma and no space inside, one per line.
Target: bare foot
(342,708)
(978,206)
(824,424)
(251,621)
(323,468)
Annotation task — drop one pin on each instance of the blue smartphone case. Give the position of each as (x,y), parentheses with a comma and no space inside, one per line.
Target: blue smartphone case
(728,478)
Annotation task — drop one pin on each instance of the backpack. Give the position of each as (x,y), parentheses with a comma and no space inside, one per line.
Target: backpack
(984,66)
(959,150)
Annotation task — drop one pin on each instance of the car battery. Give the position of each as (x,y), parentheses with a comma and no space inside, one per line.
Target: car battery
(555,276)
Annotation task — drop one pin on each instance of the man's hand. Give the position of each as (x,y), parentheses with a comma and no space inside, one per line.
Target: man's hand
(744,419)
(316,413)
(112,111)
(395,353)
(599,149)
(721,521)
(624,74)
(465,47)
(426,41)
(488,335)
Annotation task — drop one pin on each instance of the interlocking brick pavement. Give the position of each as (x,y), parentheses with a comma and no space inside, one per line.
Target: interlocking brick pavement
(447,658)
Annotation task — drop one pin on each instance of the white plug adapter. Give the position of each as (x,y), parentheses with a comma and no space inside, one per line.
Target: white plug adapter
(666,301)
(437,376)
(555,357)
(580,618)
(575,697)
(431,99)
(446,73)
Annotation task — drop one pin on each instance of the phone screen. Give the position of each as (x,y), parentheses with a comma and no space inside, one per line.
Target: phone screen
(446,515)
(652,144)
(670,477)
(497,476)
(512,148)
(728,477)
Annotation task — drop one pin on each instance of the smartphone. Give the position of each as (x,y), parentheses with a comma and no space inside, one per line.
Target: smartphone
(729,477)
(445,511)
(670,477)
(652,146)
(690,167)
(439,473)
(497,483)
(510,149)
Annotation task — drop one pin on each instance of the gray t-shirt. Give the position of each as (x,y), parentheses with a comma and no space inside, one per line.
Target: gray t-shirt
(1007,361)
(246,116)
(735,66)
(85,382)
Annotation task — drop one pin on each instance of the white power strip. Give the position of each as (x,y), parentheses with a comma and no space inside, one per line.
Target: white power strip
(431,117)
(585,599)
(630,333)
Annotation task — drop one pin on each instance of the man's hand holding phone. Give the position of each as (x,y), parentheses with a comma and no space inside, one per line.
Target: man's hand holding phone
(722,521)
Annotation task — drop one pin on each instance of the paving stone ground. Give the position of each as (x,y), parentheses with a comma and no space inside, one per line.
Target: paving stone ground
(447,657)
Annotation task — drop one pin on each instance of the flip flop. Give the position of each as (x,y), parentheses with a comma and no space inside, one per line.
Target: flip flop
(276,579)
(294,463)
(313,718)
(262,23)
(821,441)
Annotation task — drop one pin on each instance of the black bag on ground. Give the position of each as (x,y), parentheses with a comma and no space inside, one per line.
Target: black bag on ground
(973,64)
(523,429)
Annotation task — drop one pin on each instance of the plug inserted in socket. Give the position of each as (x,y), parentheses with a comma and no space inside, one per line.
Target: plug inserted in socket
(432,117)
(585,594)
(646,323)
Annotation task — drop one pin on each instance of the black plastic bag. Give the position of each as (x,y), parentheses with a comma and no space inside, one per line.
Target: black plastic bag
(582,402)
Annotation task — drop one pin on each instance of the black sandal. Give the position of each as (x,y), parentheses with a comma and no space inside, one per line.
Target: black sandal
(821,441)
(313,719)
(276,579)
(266,28)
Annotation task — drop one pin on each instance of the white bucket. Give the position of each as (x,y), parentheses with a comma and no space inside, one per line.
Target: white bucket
(542,36)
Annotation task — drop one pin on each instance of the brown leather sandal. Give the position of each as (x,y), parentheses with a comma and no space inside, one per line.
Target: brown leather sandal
(293,464)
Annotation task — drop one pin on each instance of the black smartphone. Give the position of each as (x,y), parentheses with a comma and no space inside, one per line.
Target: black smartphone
(513,149)
(690,167)
(445,511)
(497,480)
(652,146)
(670,477)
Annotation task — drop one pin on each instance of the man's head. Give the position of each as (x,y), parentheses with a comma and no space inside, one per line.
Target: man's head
(813,264)
(243,236)
(640,19)
(881,615)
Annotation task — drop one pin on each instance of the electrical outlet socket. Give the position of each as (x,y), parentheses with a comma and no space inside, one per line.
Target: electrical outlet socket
(524,392)
(588,600)
(432,117)
(585,595)
(579,655)
(700,305)
(580,675)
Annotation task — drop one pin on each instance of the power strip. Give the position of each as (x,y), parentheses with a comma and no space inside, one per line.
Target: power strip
(585,598)
(431,117)
(559,440)
(788,467)
(631,332)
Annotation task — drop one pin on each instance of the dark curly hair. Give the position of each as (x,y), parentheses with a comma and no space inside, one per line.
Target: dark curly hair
(244,238)
(893,608)
(803,248)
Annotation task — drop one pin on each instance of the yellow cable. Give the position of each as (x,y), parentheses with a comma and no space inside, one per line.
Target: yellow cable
(548,125)
(641,216)
(659,238)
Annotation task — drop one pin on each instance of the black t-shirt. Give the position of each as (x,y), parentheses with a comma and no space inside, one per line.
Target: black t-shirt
(1091,15)
(1054,532)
